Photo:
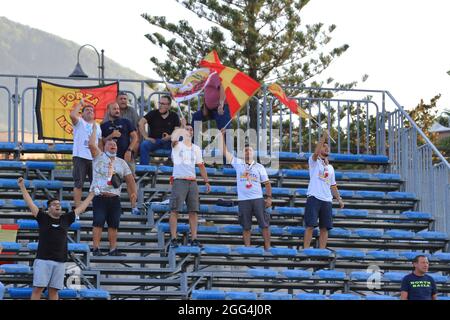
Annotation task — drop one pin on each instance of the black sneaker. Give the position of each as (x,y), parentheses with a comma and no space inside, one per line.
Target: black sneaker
(116,253)
(96,252)
(173,243)
(195,243)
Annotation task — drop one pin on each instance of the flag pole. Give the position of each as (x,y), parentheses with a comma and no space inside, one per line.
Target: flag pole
(321,128)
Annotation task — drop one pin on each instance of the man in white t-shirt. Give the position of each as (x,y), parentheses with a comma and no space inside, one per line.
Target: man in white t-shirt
(249,177)
(322,186)
(185,155)
(109,172)
(81,155)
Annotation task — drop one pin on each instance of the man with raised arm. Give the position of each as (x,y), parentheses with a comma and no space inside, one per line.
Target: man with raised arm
(49,266)
(81,156)
(185,156)
(109,171)
(249,177)
(321,189)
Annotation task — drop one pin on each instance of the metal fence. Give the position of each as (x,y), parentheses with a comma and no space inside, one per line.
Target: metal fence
(360,121)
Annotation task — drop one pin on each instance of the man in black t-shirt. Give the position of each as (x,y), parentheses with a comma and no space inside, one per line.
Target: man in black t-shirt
(49,266)
(161,124)
(123,132)
(418,285)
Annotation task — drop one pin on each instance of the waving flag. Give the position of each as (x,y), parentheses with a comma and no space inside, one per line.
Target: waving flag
(278,92)
(193,84)
(238,86)
(54,103)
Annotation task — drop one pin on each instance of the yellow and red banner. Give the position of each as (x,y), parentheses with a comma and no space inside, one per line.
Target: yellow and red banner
(278,92)
(238,86)
(193,84)
(54,103)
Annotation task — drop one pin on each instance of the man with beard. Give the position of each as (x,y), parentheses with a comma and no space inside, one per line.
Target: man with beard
(49,266)
(322,185)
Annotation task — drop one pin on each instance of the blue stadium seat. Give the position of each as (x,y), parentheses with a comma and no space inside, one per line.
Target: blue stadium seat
(22,204)
(432,235)
(218,250)
(350,254)
(63,147)
(347,193)
(281,191)
(387,176)
(310,296)
(78,247)
(209,171)
(2,203)
(262,273)
(382,255)
(394,276)
(208,295)
(64,294)
(229,171)
(165,169)
(10,246)
(360,275)
(159,207)
(274,230)
(302,192)
(249,251)
(380,297)
(402,195)
(283,155)
(295,173)
(339,232)
(241,295)
(33,224)
(216,208)
(12,183)
(275,296)
(289,211)
(146,168)
(413,215)
(300,231)
(443,298)
(410,255)
(181,227)
(370,194)
(20,293)
(354,213)
(312,252)
(272,172)
(330,275)
(207,229)
(188,250)
(283,252)
(215,189)
(47,184)
(35,147)
(94,294)
(438,278)
(369,233)
(7,146)
(400,234)
(35,165)
(357,175)
(442,256)
(232,229)
(6,164)
(297,274)
(15,268)
(344,296)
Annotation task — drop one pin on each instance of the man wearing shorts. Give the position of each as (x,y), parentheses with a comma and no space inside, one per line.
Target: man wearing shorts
(322,184)
(109,171)
(49,266)
(81,156)
(249,177)
(185,155)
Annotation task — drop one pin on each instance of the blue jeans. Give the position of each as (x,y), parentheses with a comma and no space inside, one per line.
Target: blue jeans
(221,120)
(147,146)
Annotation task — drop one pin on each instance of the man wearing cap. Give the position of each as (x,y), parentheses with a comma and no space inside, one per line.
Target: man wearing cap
(81,155)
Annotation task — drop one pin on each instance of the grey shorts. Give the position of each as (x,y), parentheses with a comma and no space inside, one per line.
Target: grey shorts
(81,168)
(184,190)
(48,273)
(254,207)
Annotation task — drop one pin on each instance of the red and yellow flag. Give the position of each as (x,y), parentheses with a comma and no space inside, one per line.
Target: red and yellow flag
(278,92)
(238,86)
(54,103)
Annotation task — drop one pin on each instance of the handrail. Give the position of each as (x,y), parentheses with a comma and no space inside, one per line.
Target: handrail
(430,144)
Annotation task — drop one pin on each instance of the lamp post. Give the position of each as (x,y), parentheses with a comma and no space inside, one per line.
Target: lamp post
(78,71)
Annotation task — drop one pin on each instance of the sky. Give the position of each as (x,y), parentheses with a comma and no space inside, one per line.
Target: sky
(402,45)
